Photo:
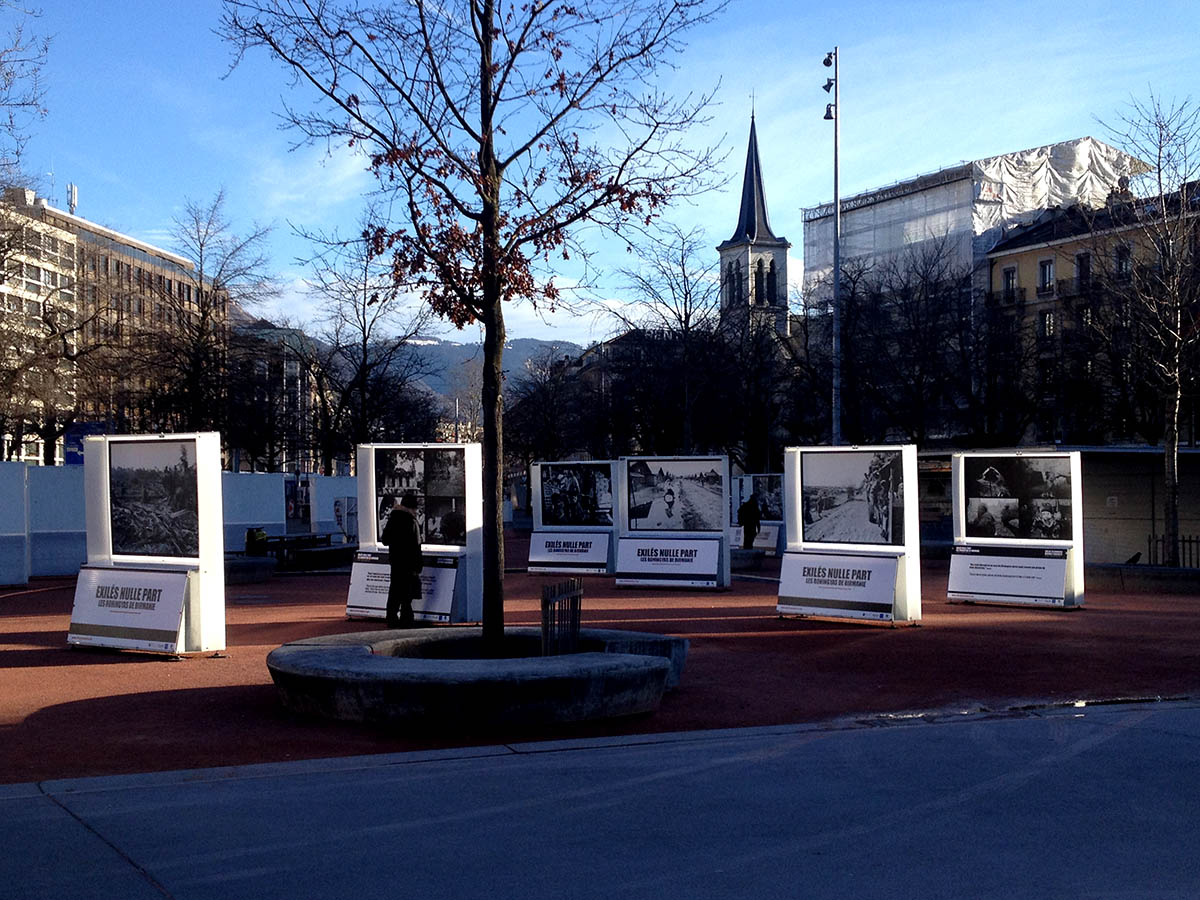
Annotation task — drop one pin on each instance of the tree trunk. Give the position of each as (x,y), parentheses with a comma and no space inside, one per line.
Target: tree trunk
(1171,477)
(493,480)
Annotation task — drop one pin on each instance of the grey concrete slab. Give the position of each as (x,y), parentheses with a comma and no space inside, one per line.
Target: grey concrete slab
(1089,802)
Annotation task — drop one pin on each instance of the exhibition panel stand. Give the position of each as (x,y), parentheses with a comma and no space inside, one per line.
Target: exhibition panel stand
(767,491)
(447,481)
(572,517)
(1018,528)
(856,551)
(155,573)
(673,522)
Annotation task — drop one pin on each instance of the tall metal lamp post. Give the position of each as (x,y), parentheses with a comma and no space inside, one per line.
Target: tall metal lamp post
(833,113)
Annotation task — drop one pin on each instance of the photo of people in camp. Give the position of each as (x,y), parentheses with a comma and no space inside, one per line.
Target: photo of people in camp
(577,493)
(1026,497)
(153,497)
(852,497)
(668,494)
(436,477)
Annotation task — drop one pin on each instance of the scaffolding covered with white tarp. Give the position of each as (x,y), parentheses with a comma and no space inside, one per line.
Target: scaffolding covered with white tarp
(966,208)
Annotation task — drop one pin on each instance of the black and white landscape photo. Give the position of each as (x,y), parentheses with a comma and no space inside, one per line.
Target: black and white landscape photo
(852,497)
(671,494)
(1026,497)
(154,509)
(577,494)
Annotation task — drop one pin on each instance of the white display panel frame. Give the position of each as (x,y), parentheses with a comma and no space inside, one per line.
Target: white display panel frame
(577,548)
(469,603)
(1020,570)
(800,596)
(202,601)
(670,569)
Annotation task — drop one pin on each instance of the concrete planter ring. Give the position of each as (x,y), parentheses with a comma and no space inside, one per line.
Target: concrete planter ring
(438,679)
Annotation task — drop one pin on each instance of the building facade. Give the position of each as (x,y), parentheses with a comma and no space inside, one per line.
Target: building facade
(120,314)
(964,208)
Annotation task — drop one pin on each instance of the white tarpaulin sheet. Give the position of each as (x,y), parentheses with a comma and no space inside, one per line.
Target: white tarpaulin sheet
(967,205)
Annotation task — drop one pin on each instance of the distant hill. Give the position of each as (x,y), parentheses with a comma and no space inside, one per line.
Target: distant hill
(453,362)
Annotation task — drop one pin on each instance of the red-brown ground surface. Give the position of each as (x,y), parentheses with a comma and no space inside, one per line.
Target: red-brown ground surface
(68,712)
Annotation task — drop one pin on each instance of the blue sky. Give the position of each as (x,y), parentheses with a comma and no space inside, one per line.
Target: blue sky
(144,112)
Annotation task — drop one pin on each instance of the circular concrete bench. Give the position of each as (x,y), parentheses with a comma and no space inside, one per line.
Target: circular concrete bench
(435,679)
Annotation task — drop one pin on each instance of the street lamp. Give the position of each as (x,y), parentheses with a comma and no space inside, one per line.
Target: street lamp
(832,113)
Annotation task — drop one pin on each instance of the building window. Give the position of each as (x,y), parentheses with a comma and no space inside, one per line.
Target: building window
(1083,270)
(1047,324)
(1045,277)
(1122,263)
(1010,283)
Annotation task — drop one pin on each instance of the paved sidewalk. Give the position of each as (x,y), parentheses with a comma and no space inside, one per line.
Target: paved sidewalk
(1060,802)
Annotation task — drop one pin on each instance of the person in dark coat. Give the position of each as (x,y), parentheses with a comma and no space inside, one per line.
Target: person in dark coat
(402,536)
(749,518)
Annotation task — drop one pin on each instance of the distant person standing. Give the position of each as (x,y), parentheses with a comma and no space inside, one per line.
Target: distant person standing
(402,537)
(749,517)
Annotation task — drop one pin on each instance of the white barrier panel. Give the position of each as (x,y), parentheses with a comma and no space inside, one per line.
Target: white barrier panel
(14,524)
(251,500)
(569,552)
(327,495)
(57,526)
(371,576)
(655,562)
(854,587)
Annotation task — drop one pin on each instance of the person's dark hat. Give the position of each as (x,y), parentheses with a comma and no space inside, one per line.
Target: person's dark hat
(409,501)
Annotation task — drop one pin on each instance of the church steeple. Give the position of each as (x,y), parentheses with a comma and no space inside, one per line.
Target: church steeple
(754,259)
(753,224)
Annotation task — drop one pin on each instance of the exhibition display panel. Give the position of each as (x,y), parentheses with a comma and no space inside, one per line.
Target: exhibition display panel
(673,521)
(767,492)
(1018,528)
(572,517)
(853,533)
(155,572)
(447,483)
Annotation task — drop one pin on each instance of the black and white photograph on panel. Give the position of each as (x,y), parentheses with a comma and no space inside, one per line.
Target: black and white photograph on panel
(769,491)
(398,471)
(153,498)
(671,494)
(853,497)
(1027,497)
(445,472)
(445,521)
(577,493)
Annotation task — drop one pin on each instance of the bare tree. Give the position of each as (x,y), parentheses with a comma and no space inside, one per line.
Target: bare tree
(363,360)
(1148,244)
(22,57)
(499,126)
(184,344)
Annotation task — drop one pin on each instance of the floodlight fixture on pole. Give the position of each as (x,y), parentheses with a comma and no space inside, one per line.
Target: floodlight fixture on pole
(832,113)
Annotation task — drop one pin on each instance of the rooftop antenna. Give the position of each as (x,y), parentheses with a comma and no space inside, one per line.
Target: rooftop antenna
(50,196)
(72,197)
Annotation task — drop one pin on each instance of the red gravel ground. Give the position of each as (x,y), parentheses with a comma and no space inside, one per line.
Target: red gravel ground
(67,712)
